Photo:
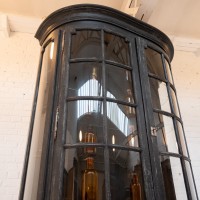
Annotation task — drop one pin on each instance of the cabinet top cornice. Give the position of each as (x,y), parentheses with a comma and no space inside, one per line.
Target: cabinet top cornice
(92,12)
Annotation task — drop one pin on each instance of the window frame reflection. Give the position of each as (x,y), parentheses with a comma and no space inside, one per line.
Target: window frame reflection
(132,185)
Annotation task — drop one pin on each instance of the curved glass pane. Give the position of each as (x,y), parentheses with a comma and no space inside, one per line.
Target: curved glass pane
(84,42)
(116,49)
(84,122)
(173,178)
(126,179)
(182,139)
(175,104)
(83,175)
(122,125)
(119,84)
(85,79)
(169,73)
(44,96)
(154,63)
(159,95)
(190,179)
(165,132)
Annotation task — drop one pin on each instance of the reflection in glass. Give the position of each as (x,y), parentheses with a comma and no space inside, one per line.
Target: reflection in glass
(175,104)
(159,95)
(169,73)
(83,175)
(126,175)
(122,125)
(84,120)
(191,181)
(85,79)
(182,138)
(154,63)
(44,95)
(84,42)
(51,50)
(116,49)
(119,84)
(173,178)
(165,132)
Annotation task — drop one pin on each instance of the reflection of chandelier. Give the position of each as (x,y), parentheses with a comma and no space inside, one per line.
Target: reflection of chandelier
(90,137)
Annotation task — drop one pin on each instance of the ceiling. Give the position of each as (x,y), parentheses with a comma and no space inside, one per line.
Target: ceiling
(42,8)
(177,18)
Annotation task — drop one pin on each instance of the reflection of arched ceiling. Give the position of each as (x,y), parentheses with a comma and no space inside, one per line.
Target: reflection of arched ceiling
(87,44)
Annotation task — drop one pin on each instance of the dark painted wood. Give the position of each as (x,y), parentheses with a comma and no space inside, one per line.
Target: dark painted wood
(91,12)
(28,147)
(62,24)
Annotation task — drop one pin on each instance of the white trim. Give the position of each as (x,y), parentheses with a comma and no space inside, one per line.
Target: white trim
(17,23)
(186,44)
(4,25)
(129,10)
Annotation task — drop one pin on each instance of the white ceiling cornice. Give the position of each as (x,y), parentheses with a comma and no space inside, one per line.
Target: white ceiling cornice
(186,44)
(17,23)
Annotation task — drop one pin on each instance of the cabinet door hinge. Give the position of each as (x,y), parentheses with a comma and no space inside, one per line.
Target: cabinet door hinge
(56,124)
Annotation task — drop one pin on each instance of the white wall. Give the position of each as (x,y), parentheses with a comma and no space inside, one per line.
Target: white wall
(186,71)
(19,57)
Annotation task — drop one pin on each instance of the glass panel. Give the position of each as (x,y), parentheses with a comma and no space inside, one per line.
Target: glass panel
(116,49)
(84,43)
(119,84)
(126,179)
(44,95)
(122,126)
(154,63)
(190,179)
(83,175)
(175,104)
(166,137)
(182,138)
(84,122)
(169,73)
(85,79)
(159,95)
(173,178)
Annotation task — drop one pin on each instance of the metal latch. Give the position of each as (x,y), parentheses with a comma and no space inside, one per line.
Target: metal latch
(56,123)
(153,130)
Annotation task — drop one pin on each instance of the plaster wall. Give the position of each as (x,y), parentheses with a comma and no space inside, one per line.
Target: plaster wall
(19,58)
(186,71)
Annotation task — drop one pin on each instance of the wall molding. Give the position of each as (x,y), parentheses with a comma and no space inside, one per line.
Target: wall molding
(186,44)
(17,23)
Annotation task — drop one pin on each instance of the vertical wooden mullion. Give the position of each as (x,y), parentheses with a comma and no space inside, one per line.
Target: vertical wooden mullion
(158,183)
(145,160)
(59,152)
(105,129)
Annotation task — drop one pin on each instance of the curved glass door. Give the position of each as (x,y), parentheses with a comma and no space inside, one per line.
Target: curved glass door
(166,127)
(104,148)
(102,120)
(40,126)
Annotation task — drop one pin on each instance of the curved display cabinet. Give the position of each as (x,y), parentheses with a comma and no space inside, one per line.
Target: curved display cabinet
(106,121)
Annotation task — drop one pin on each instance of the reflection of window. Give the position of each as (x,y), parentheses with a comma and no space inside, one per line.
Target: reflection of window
(89,106)
(91,88)
(116,115)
